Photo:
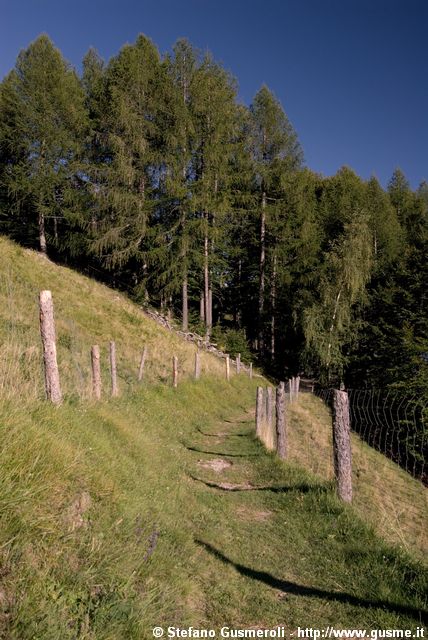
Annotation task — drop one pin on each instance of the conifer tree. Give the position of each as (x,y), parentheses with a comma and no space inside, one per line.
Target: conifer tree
(42,133)
(273,139)
(213,112)
(175,238)
(125,182)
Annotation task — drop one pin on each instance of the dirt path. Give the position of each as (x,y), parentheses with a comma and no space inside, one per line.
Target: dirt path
(272,540)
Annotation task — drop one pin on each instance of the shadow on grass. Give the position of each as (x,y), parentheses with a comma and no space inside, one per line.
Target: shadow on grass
(222,434)
(300,590)
(228,486)
(222,453)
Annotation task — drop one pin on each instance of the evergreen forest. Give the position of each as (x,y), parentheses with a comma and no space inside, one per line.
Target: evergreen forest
(146,172)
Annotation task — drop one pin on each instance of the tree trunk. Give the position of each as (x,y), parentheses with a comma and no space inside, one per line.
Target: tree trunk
(42,234)
(185,322)
(210,307)
(262,271)
(239,311)
(206,282)
(273,309)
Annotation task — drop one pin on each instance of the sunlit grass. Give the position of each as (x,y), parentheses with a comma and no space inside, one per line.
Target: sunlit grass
(385,496)
(112,520)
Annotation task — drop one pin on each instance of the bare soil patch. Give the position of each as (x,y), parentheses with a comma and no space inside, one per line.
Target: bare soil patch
(218,464)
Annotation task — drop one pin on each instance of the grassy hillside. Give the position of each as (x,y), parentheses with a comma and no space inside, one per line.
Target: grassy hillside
(160,507)
(385,496)
(86,313)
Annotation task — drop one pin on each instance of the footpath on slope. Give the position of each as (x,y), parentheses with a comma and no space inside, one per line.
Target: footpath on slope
(277,548)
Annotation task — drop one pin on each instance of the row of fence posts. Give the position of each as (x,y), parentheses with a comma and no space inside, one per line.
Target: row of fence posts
(51,372)
(277,438)
(264,400)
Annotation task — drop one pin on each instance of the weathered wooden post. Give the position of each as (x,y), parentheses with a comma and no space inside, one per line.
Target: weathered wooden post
(96,372)
(250,371)
(142,363)
(342,445)
(175,372)
(290,389)
(238,363)
(269,437)
(281,424)
(47,332)
(259,411)
(113,370)
(297,387)
(197,365)
(227,368)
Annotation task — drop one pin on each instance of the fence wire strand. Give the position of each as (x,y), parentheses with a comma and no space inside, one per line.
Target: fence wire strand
(391,422)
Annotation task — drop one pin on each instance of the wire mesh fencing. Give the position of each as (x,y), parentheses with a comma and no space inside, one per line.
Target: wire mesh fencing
(391,422)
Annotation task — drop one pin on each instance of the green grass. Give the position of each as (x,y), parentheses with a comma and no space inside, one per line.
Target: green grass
(385,495)
(86,313)
(112,520)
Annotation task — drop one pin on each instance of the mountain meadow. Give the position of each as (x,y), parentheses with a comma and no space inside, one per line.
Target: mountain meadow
(144,184)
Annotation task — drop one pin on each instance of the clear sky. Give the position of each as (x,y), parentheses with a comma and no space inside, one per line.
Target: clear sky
(352,75)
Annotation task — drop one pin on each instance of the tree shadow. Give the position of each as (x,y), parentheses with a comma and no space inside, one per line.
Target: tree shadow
(228,486)
(222,453)
(226,435)
(300,590)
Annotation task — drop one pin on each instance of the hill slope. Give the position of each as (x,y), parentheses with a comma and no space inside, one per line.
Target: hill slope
(160,507)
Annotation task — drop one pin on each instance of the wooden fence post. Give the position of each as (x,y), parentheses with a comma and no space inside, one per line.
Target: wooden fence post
(290,389)
(297,387)
(227,368)
(342,445)
(96,372)
(238,363)
(250,371)
(281,424)
(47,332)
(113,370)
(197,365)
(175,372)
(269,435)
(259,411)
(142,363)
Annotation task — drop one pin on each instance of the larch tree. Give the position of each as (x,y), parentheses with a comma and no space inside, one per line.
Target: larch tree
(273,139)
(213,113)
(125,182)
(175,237)
(43,128)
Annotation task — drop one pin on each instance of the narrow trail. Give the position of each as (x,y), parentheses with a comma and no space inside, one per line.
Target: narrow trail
(273,540)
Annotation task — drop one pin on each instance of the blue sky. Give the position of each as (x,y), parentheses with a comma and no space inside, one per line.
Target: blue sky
(352,75)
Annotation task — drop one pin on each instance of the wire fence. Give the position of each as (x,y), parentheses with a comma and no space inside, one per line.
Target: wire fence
(391,422)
